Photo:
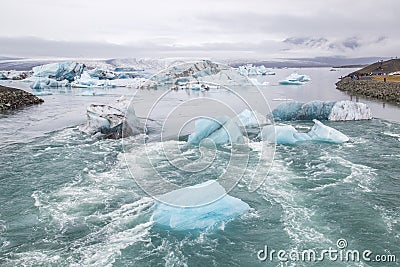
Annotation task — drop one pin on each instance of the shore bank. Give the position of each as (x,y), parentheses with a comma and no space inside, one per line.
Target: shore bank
(12,98)
(387,91)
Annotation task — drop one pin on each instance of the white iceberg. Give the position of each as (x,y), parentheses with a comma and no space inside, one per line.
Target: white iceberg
(348,111)
(287,134)
(295,79)
(322,110)
(197,207)
(59,71)
(249,70)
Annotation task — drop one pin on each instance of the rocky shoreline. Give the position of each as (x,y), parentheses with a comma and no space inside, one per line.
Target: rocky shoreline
(387,91)
(12,98)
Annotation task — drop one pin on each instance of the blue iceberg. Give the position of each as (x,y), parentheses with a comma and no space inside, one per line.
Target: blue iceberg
(322,110)
(204,127)
(197,207)
(228,133)
(43,83)
(249,118)
(221,130)
(59,71)
(287,134)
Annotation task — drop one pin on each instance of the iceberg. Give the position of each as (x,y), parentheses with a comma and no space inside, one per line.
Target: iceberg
(197,207)
(249,69)
(322,110)
(102,74)
(249,118)
(59,71)
(86,81)
(112,121)
(287,134)
(204,127)
(295,79)
(221,130)
(14,75)
(348,111)
(228,133)
(43,83)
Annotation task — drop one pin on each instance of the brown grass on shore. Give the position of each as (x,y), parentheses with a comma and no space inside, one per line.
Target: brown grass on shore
(389,78)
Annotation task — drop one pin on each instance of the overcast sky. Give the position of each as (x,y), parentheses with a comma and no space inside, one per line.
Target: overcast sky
(259,29)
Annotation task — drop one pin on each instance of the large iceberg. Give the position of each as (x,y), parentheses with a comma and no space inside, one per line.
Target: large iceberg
(112,121)
(223,130)
(322,110)
(287,134)
(59,71)
(197,207)
(295,79)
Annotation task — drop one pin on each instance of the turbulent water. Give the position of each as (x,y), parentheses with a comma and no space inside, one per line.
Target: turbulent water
(69,200)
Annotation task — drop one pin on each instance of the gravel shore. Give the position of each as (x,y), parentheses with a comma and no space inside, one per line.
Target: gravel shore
(11,98)
(387,91)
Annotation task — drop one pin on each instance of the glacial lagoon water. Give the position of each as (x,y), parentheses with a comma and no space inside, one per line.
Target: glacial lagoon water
(69,200)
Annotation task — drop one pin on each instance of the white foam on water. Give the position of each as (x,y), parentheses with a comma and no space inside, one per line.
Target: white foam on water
(395,135)
(297,218)
(391,220)
(92,202)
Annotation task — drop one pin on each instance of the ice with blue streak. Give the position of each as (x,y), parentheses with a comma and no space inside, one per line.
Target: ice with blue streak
(197,207)
(204,127)
(322,110)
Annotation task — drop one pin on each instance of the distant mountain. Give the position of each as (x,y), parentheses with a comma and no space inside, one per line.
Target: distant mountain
(312,62)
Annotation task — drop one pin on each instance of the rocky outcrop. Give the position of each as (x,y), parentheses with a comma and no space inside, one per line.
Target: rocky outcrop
(11,98)
(387,91)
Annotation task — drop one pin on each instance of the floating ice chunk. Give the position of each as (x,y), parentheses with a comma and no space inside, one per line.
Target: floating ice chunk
(102,74)
(113,121)
(282,134)
(322,110)
(287,134)
(197,207)
(287,111)
(59,71)
(295,79)
(323,133)
(42,93)
(249,69)
(249,118)
(204,127)
(91,93)
(228,133)
(42,83)
(348,110)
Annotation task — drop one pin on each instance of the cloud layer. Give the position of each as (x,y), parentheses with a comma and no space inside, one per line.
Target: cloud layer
(219,29)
